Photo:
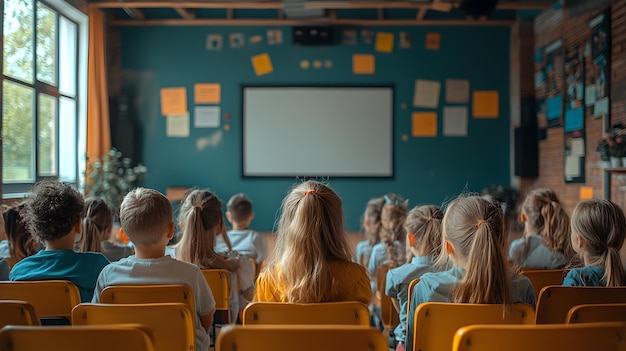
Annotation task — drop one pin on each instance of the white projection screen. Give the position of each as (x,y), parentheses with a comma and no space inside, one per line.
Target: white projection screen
(317,131)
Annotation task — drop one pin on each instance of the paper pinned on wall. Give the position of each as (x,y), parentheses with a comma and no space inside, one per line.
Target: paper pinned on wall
(426,93)
(173,101)
(384,42)
(457,91)
(363,64)
(455,121)
(207,117)
(433,41)
(424,124)
(586,192)
(601,107)
(572,166)
(207,93)
(177,125)
(577,147)
(590,95)
(486,104)
(262,64)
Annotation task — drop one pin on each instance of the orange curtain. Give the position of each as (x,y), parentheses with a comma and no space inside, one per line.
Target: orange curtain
(98,127)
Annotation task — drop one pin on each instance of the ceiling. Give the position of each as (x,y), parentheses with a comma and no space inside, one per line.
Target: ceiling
(309,12)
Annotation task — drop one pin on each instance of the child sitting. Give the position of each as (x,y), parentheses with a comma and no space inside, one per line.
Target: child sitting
(372,225)
(146,218)
(243,240)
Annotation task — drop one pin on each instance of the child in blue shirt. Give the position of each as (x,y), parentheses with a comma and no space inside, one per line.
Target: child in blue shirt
(423,227)
(598,232)
(372,225)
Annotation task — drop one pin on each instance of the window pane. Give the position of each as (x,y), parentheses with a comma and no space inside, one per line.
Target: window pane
(47,135)
(46,44)
(18,39)
(67,57)
(17,132)
(67,140)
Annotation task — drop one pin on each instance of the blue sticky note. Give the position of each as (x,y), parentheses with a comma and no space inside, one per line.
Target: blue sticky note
(574,119)
(553,107)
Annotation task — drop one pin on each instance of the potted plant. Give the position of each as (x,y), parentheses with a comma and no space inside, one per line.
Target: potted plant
(603,151)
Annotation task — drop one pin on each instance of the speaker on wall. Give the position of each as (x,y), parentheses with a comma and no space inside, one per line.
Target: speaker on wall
(527,141)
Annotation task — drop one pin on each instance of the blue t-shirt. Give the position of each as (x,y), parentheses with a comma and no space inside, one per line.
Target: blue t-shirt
(539,256)
(439,287)
(363,251)
(585,276)
(81,268)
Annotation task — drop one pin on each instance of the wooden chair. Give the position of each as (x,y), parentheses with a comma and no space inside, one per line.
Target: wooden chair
(608,312)
(51,298)
(348,313)
(555,301)
(70,338)
(436,322)
(544,277)
(388,313)
(15,312)
(301,338)
(172,324)
(166,293)
(609,336)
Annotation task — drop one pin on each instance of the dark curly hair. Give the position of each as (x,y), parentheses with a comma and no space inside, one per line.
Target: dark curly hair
(52,209)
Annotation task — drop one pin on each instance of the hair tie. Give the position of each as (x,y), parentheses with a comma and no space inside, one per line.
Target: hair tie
(310,191)
(609,247)
(389,201)
(480,223)
(197,207)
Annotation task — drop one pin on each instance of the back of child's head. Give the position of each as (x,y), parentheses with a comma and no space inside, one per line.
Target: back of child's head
(423,227)
(52,210)
(371,219)
(393,216)
(21,242)
(475,228)
(239,207)
(545,214)
(602,227)
(145,216)
(97,224)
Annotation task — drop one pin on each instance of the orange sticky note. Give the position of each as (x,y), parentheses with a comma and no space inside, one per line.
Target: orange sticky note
(363,64)
(586,192)
(486,104)
(173,101)
(424,124)
(207,93)
(433,41)
(384,42)
(262,64)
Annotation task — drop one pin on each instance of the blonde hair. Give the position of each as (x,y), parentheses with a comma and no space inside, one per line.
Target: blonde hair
(201,217)
(393,216)
(309,236)
(475,228)
(602,226)
(545,214)
(424,223)
(145,215)
(96,224)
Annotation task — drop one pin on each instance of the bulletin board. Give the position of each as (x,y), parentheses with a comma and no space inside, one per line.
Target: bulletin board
(574,119)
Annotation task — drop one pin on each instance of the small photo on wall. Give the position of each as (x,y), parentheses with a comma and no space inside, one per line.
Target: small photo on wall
(214,42)
(236,40)
(405,40)
(367,36)
(274,36)
(349,37)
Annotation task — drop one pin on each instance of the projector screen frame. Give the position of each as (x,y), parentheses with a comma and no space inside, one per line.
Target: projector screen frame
(389,86)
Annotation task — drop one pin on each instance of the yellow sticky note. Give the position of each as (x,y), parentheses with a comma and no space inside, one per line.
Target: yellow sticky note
(363,64)
(173,101)
(207,93)
(586,192)
(433,41)
(262,64)
(486,104)
(424,124)
(384,42)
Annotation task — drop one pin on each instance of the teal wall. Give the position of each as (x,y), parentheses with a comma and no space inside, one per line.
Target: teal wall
(427,170)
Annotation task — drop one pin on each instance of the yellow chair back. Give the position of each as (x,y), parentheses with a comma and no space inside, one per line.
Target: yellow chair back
(219,281)
(15,312)
(555,301)
(412,285)
(606,312)
(166,293)
(541,278)
(348,313)
(388,313)
(51,298)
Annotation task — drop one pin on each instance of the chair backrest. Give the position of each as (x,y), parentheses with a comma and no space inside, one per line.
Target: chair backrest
(51,298)
(412,285)
(301,338)
(172,324)
(544,277)
(219,281)
(347,312)
(606,312)
(12,261)
(388,313)
(555,301)
(609,336)
(165,293)
(15,312)
(70,338)
(436,322)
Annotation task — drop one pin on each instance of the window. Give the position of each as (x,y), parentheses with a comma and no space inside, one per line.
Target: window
(44,68)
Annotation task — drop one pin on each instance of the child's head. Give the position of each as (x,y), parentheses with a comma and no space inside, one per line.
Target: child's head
(239,209)
(97,224)
(598,232)
(146,217)
(474,237)
(53,210)
(543,214)
(371,219)
(423,228)
(21,242)
(392,217)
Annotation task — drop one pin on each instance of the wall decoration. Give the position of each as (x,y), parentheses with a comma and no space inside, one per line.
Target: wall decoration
(274,36)
(601,50)
(548,81)
(367,36)
(349,37)
(405,40)
(236,40)
(214,42)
